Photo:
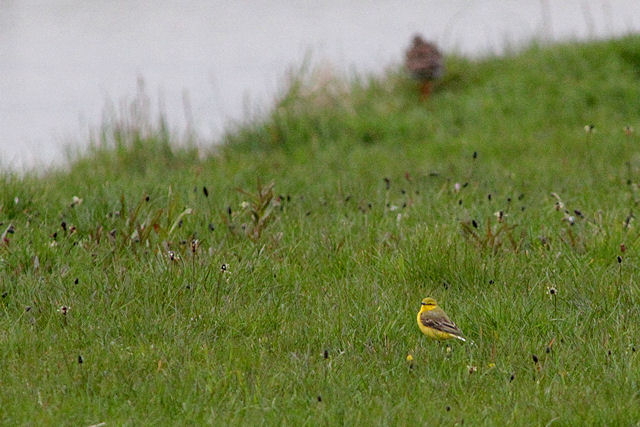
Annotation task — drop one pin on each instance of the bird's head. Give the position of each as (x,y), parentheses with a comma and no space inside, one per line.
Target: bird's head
(428,304)
(418,40)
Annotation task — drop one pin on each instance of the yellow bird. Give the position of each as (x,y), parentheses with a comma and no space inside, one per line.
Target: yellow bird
(435,323)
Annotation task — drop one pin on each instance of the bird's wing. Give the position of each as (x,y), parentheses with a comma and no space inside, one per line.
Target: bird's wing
(438,319)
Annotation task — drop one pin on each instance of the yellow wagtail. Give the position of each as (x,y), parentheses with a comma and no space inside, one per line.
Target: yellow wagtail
(435,323)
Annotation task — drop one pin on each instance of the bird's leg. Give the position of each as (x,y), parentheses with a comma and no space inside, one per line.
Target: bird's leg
(425,89)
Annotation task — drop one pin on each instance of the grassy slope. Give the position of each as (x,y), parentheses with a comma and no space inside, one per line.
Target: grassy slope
(340,268)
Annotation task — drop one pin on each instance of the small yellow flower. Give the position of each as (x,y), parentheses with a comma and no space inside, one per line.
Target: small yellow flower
(409,358)
(492,365)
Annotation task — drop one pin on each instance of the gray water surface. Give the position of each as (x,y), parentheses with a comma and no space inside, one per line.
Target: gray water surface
(205,64)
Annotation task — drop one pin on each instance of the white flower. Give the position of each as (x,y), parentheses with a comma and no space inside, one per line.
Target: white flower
(500,215)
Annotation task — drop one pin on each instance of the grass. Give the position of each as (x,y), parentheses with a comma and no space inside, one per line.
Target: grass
(333,217)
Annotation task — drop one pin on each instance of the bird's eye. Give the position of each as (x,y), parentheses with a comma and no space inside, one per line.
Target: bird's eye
(423,303)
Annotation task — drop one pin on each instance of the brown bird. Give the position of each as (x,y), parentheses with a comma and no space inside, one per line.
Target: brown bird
(424,62)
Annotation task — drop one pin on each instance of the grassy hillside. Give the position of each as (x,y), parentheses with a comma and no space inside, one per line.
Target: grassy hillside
(333,217)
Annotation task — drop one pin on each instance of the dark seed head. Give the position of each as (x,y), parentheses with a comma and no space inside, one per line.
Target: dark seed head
(80,359)
(64,225)
(491,282)
(205,191)
(147,198)
(319,398)
(475,154)
(535,358)
(512,377)
(619,259)
(75,282)
(474,223)
(548,350)
(211,226)
(326,354)
(448,408)
(4,294)
(489,196)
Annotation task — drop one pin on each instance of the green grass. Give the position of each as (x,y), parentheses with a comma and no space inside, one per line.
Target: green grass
(337,259)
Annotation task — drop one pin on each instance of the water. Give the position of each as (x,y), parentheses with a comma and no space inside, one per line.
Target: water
(205,64)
